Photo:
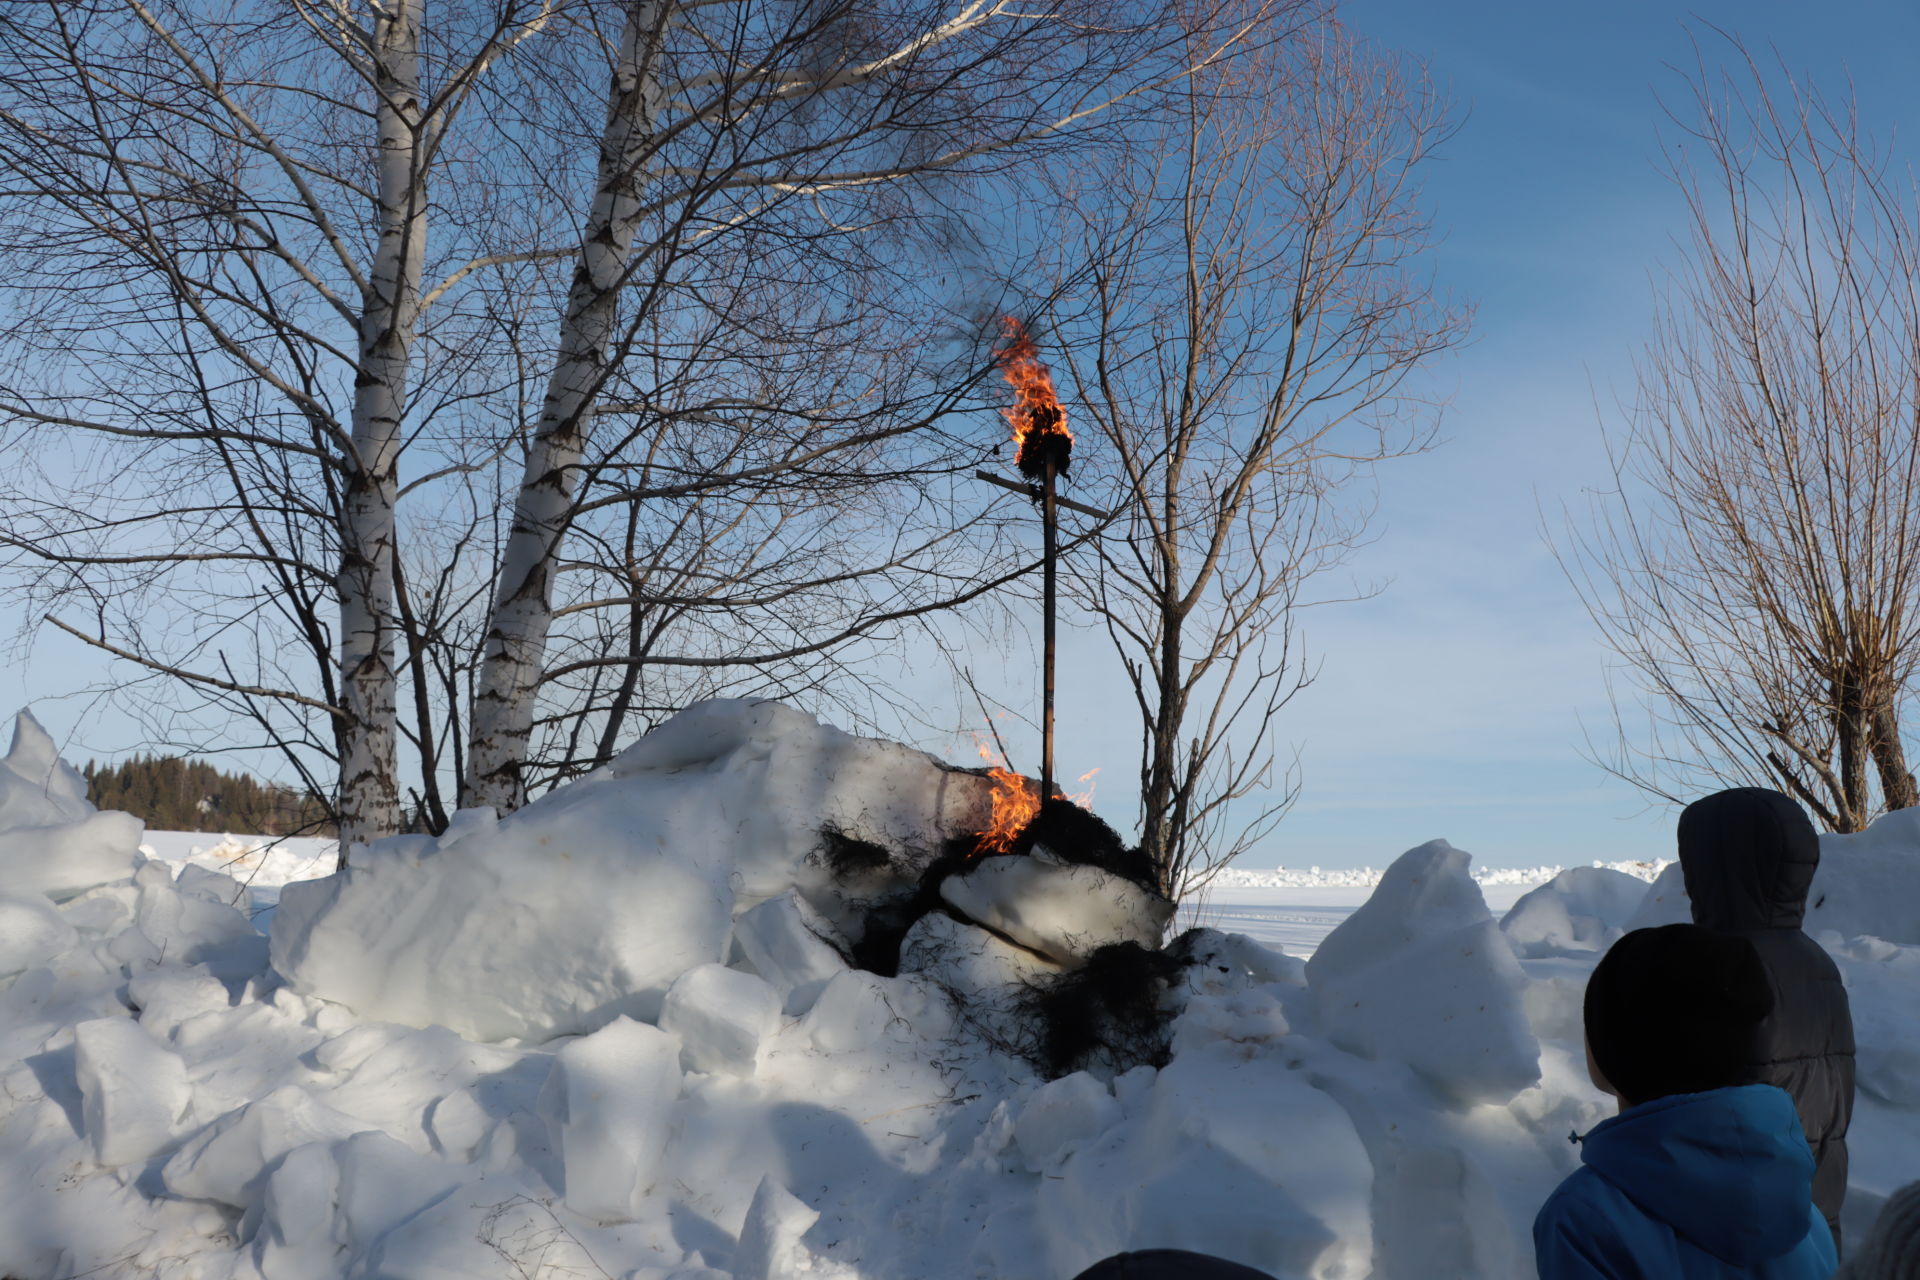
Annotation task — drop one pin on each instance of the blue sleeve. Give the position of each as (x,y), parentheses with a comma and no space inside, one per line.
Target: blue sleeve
(1566,1245)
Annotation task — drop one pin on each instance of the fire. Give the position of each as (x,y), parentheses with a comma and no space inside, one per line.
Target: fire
(1015,801)
(1039,422)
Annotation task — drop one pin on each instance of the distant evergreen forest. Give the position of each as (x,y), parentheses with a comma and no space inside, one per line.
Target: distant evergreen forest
(170,793)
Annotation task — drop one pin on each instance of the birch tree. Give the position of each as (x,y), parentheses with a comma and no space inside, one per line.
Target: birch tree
(219,226)
(306,297)
(831,129)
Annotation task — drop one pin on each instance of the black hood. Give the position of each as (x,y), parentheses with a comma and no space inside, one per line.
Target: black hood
(1748,856)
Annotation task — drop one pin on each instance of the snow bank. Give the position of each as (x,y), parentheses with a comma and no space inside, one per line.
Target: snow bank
(1421,974)
(586,905)
(1581,909)
(1064,912)
(1232,878)
(52,841)
(1867,885)
(170,1106)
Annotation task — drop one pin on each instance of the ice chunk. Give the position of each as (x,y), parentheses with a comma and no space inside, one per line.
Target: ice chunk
(770,1246)
(1665,903)
(227,1161)
(721,1015)
(851,1014)
(1256,1166)
(969,960)
(529,931)
(1062,1115)
(133,1089)
(190,927)
(1581,909)
(297,1237)
(51,840)
(384,1183)
(31,933)
(1421,974)
(1868,884)
(1064,911)
(1881,980)
(37,787)
(167,995)
(69,859)
(609,1104)
(792,946)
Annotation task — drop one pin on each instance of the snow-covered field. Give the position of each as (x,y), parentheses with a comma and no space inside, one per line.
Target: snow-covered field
(606,1037)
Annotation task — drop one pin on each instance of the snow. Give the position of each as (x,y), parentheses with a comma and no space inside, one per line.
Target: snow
(1063,912)
(1422,974)
(792,946)
(609,1102)
(586,905)
(51,840)
(134,1093)
(1581,909)
(174,1105)
(721,1015)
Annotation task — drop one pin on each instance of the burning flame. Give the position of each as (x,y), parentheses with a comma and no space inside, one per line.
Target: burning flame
(1015,801)
(1039,422)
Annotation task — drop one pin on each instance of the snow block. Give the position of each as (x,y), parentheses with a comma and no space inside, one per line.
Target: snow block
(52,841)
(228,1161)
(1881,978)
(31,933)
(547,926)
(1256,1166)
(297,1238)
(37,787)
(770,1246)
(721,1015)
(133,1090)
(1060,1117)
(1064,911)
(609,1104)
(1421,974)
(1581,909)
(186,927)
(1868,884)
(851,1014)
(1665,903)
(792,946)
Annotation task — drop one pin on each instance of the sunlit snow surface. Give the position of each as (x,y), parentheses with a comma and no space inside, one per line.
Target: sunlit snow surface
(1390,1101)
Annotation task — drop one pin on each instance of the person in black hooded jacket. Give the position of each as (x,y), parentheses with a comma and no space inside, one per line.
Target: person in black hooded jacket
(1748,856)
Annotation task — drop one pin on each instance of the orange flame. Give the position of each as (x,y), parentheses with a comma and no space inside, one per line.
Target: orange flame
(1015,801)
(1036,417)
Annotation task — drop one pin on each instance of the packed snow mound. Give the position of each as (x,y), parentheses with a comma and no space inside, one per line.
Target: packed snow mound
(1581,909)
(1867,885)
(170,1107)
(1421,974)
(52,841)
(1064,912)
(1229,878)
(587,905)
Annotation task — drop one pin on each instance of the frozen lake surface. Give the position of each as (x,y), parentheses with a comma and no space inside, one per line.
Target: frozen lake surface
(1296,917)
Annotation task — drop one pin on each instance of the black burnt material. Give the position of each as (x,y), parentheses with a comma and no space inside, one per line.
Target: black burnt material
(848,855)
(1112,1009)
(1046,441)
(1073,834)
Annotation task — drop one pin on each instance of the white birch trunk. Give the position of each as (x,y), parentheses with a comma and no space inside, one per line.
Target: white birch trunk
(522,608)
(369,789)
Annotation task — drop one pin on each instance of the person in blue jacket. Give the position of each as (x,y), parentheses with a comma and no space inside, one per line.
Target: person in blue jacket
(1698,1177)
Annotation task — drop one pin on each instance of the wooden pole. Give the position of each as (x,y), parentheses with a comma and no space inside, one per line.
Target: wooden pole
(1050,550)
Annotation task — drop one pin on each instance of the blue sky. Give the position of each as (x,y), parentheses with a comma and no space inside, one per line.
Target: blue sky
(1452,704)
